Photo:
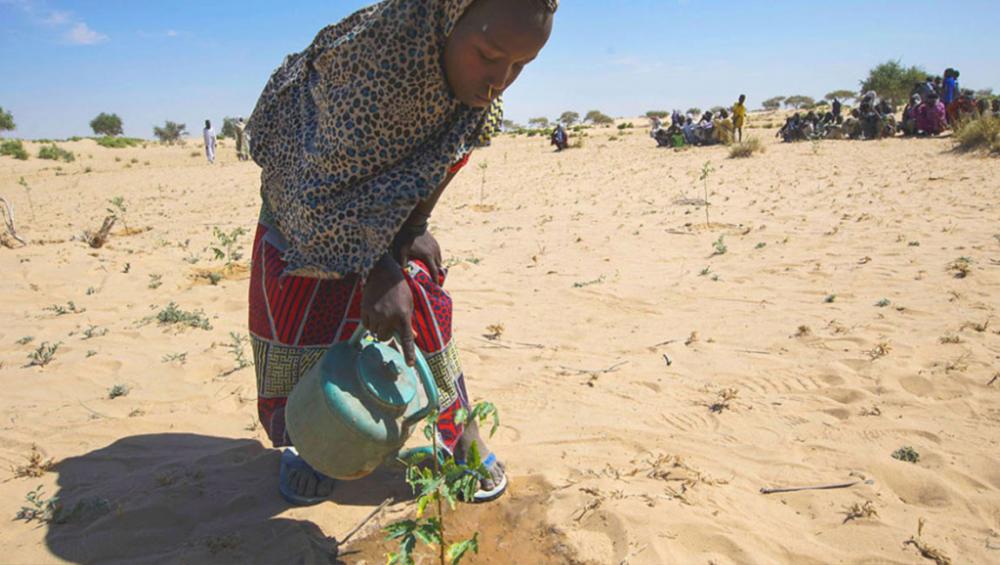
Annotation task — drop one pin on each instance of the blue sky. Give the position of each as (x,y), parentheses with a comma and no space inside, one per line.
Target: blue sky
(64,61)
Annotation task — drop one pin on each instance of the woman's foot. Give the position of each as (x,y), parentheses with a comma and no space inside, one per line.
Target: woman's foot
(496,470)
(299,483)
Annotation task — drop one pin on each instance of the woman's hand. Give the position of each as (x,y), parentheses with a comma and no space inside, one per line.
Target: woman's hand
(387,306)
(424,248)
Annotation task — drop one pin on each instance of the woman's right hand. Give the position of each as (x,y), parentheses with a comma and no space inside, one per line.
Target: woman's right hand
(387,306)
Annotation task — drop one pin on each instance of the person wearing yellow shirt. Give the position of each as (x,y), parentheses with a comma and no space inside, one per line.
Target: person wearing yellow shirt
(740,117)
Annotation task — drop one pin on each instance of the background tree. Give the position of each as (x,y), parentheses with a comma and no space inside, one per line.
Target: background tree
(773,103)
(107,124)
(228,128)
(569,118)
(171,132)
(984,93)
(841,95)
(539,123)
(509,125)
(598,118)
(892,81)
(715,110)
(696,111)
(657,114)
(6,121)
(799,101)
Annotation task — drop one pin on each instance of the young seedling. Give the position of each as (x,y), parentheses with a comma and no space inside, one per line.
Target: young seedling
(235,347)
(444,481)
(172,315)
(27,191)
(228,246)
(583,284)
(760,245)
(179,358)
(705,272)
(720,246)
(961,267)
(155,281)
(38,507)
(118,208)
(25,340)
(883,303)
(726,396)
(706,171)
(830,298)
(44,355)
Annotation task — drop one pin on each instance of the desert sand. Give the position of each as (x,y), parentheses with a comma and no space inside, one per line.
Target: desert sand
(649,385)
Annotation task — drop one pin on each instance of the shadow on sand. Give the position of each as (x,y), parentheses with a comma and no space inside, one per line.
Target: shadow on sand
(187,498)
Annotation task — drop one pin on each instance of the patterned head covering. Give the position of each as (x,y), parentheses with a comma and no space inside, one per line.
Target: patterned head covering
(356,130)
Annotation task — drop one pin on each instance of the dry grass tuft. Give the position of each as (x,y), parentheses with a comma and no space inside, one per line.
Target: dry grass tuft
(858,511)
(36,466)
(981,134)
(747,148)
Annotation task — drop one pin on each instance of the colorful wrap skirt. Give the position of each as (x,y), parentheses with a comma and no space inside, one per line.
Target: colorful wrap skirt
(294,320)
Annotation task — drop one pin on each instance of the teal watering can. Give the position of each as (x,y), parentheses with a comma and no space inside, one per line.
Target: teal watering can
(357,406)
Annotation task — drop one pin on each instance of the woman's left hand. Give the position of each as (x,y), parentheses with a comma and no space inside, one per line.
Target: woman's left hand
(426,249)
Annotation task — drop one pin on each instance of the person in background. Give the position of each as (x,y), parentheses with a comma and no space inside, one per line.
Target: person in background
(241,140)
(559,138)
(910,115)
(740,117)
(209,135)
(949,90)
(689,131)
(837,109)
(930,116)
(723,128)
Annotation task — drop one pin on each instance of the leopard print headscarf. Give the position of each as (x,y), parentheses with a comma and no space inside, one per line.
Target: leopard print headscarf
(356,130)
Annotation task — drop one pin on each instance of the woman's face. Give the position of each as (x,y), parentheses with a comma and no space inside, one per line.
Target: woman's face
(490,46)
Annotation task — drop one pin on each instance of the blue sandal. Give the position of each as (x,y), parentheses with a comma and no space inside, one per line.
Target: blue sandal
(290,461)
(483,495)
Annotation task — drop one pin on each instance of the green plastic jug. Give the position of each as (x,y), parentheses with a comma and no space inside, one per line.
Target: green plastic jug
(357,406)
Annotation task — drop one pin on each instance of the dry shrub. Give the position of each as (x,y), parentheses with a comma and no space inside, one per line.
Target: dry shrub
(747,148)
(982,134)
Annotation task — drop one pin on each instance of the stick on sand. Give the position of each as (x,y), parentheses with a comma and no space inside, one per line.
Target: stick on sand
(367,519)
(816,487)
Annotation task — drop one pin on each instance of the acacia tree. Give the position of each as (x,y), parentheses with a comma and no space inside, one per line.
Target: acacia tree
(228,127)
(892,81)
(773,103)
(569,118)
(841,95)
(171,132)
(799,101)
(598,118)
(106,124)
(695,111)
(539,123)
(6,121)
(657,114)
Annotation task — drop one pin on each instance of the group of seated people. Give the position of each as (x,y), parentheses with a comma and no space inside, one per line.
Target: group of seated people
(934,106)
(712,128)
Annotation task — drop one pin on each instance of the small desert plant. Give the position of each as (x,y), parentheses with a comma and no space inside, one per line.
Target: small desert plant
(14,148)
(25,340)
(55,153)
(720,246)
(981,134)
(118,208)
(907,454)
(493,332)
(155,281)
(235,347)
(6,121)
(706,171)
(118,142)
(36,466)
(38,507)
(170,133)
(94,331)
(118,390)
(726,396)
(228,245)
(858,510)
(747,148)
(583,284)
(44,355)
(883,303)
(69,308)
(830,298)
(179,358)
(172,315)
(443,481)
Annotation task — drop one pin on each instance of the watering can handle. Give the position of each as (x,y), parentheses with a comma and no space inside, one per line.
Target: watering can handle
(423,372)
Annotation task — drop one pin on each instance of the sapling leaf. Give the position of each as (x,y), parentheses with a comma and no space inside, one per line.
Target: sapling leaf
(457,551)
(461,416)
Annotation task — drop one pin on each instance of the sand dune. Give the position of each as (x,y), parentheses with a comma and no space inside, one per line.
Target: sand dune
(649,386)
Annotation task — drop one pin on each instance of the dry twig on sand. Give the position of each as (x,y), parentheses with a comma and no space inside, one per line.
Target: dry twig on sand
(928,552)
(8,220)
(815,487)
(366,519)
(100,237)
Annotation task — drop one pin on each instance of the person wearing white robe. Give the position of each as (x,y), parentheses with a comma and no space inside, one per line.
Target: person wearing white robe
(209,135)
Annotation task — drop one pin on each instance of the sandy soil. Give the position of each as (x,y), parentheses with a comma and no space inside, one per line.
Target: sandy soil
(649,387)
